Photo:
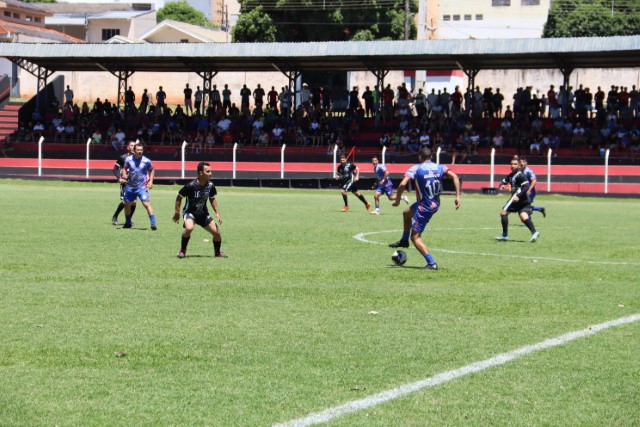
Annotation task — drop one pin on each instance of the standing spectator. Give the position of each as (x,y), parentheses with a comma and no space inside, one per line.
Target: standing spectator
(427,177)
(138,174)
(161,96)
(188,102)
(367,97)
(226,99)
(245,94)
(198,192)
(68,97)
(285,102)
(272,98)
(258,97)
(518,202)
(348,174)
(129,99)
(215,100)
(198,99)
(144,102)
(305,96)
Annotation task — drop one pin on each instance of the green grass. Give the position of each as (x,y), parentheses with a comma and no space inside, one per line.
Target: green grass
(283,327)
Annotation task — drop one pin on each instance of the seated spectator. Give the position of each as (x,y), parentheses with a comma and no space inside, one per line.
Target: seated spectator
(278,134)
(263,139)
(70,132)
(209,141)
(96,138)
(498,141)
(535,144)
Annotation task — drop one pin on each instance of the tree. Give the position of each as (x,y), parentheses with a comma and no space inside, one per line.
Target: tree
(597,18)
(182,12)
(325,20)
(256,26)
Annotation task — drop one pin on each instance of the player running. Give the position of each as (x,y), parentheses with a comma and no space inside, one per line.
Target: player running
(518,202)
(384,185)
(348,174)
(427,178)
(135,172)
(198,192)
(117,171)
(533,180)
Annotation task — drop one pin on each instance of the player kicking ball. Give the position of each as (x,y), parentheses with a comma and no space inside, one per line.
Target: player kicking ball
(384,185)
(198,193)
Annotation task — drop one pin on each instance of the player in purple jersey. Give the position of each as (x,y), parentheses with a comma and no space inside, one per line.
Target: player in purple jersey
(533,180)
(138,174)
(198,193)
(117,171)
(518,202)
(383,185)
(427,179)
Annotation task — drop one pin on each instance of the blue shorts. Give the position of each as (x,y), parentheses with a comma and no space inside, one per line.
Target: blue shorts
(385,189)
(421,217)
(131,194)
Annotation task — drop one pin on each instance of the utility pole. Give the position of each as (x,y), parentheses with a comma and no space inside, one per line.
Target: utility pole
(406,19)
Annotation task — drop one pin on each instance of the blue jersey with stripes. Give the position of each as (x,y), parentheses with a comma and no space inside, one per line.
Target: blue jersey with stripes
(137,169)
(427,179)
(380,170)
(530,174)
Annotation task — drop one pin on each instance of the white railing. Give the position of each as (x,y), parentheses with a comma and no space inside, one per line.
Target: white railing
(182,158)
(438,151)
(282,161)
(549,155)
(40,141)
(492,165)
(606,171)
(88,157)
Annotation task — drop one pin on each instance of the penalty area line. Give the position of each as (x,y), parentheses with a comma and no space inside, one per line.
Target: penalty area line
(405,389)
(362,238)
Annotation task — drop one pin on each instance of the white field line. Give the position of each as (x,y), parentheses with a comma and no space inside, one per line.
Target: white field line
(362,237)
(405,389)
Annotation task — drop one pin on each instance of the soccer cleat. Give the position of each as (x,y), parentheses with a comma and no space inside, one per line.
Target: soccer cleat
(376,212)
(433,266)
(502,238)
(154,227)
(399,244)
(221,255)
(114,220)
(534,237)
(368,206)
(181,254)
(346,208)
(126,226)
(404,199)
(543,211)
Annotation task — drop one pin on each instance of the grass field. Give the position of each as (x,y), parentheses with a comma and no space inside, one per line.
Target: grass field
(105,326)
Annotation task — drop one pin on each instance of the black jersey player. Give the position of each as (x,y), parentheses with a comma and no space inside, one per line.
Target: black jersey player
(348,174)
(518,202)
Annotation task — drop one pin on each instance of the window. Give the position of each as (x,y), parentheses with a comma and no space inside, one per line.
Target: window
(38,19)
(16,15)
(500,2)
(530,2)
(479,17)
(7,14)
(184,40)
(107,33)
(467,17)
(456,17)
(28,18)
(444,18)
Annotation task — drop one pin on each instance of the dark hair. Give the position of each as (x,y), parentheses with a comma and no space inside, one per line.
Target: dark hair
(425,153)
(201,166)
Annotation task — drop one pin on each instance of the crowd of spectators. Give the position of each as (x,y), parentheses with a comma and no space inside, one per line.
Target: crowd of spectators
(402,121)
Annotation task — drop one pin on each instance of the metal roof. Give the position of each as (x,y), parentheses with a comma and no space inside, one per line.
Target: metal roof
(606,52)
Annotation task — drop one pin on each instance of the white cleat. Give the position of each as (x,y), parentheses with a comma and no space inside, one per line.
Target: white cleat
(534,237)
(375,212)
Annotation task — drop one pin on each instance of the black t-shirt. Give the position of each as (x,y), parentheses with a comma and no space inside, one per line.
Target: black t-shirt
(346,171)
(198,197)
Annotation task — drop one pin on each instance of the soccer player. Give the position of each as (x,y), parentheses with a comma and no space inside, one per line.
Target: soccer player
(518,202)
(138,174)
(348,174)
(384,185)
(198,192)
(533,180)
(117,169)
(427,178)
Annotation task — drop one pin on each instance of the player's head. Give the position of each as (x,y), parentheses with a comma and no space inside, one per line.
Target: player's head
(139,149)
(204,170)
(131,147)
(375,161)
(343,159)
(515,164)
(424,154)
(523,161)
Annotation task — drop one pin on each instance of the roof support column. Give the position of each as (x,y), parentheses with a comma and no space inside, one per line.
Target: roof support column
(293,76)
(123,78)
(566,75)
(380,74)
(471,77)
(207,78)
(41,73)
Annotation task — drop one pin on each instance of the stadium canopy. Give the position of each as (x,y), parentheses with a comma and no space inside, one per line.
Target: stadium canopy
(378,57)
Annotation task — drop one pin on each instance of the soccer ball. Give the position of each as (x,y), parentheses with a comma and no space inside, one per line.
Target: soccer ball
(399,257)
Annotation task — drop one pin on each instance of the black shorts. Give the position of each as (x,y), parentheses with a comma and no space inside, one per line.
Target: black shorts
(122,188)
(202,220)
(521,206)
(350,185)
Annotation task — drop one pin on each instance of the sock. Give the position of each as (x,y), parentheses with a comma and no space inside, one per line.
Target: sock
(119,209)
(152,218)
(536,208)
(362,199)
(405,236)
(184,243)
(344,197)
(505,225)
(377,207)
(216,246)
(127,219)
(530,225)
(429,259)
(133,209)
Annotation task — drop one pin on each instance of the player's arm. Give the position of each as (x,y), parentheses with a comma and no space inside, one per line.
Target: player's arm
(216,210)
(357,172)
(385,177)
(117,170)
(532,184)
(176,214)
(456,184)
(401,188)
(152,174)
(521,189)
(124,173)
